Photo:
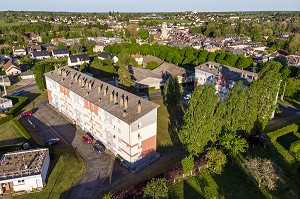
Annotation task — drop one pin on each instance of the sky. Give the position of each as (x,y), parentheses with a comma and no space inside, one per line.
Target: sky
(150,5)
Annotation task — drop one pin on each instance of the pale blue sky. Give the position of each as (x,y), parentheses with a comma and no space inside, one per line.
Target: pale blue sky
(150,5)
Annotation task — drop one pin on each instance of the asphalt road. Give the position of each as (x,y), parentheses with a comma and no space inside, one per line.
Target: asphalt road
(31,86)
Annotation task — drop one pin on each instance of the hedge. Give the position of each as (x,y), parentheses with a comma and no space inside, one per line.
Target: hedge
(295,147)
(285,153)
(21,129)
(22,101)
(297,134)
(6,119)
(280,132)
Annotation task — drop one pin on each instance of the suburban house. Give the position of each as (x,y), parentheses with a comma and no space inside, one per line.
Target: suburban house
(23,170)
(27,75)
(19,51)
(56,41)
(75,60)
(5,104)
(99,47)
(34,48)
(40,55)
(165,70)
(105,55)
(222,77)
(138,58)
(11,68)
(293,60)
(60,53)
(125,123)
(144,78)
(150,58)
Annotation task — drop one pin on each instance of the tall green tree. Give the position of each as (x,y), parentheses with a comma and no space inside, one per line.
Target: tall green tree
(144,34)
(172,92)
(216,160)
(125,77)
(203,120)
(232,143)
(188,164)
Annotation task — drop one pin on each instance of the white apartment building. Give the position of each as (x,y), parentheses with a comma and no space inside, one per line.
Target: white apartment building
(223,77)
(125,123)
(23,170)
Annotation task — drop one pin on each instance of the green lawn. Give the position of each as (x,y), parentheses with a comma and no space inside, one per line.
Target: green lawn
(68,167)
(10,135)
(287,140)
(232,183)
(3,23)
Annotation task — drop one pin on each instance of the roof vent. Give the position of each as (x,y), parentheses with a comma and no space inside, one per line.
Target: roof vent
(139,106)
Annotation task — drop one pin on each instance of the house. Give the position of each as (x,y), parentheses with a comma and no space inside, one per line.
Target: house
(138,58)
(74,60)
(125,123)
(40,55)
(19,51)
(150,58)
(34,48)
(11,68)
(27,75)
(99,47)
(5,104)
(105,55)
(24,170)
(145,78)
(293,60)
(165,70)
(60,53)
(222,77)
(4,59)
(56,41)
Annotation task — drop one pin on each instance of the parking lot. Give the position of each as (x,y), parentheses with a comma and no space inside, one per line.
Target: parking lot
(50,124)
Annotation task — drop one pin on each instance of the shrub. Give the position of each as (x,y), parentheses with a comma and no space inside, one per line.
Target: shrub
(21,129)
(285,153)
(21,102)
(152,65)
(295,147)
(280,132)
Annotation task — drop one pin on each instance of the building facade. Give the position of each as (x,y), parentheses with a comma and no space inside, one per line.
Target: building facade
(23,170)
(222,77)
(125,123)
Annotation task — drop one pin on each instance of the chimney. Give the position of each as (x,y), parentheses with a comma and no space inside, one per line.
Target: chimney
(122,100)
(83,82)
(139,106)
(126,102)
(99,89)
(116,98)
(90,85)
(105,91)
(72,76)
(111,96)
(79,81)
(100,99)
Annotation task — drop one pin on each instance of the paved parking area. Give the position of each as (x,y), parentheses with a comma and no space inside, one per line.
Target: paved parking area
(50,124)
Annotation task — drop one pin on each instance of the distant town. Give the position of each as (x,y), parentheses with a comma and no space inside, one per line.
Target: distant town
(149,105)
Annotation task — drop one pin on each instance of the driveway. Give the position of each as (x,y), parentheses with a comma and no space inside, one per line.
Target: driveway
(48,124)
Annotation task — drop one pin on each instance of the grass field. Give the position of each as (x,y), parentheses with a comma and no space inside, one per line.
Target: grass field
(232,183)
(3,23)
(10,135)
(68,167)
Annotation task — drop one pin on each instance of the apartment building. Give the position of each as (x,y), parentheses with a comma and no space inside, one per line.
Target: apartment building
(222,76)
(125,123)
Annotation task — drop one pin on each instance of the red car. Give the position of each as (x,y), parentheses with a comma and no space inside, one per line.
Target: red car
(87,139)
(26,114)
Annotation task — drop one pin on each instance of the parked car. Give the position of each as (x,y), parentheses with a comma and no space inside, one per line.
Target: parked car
(87,138)
(97,147)
(53,141)
(16,93)
(25,114)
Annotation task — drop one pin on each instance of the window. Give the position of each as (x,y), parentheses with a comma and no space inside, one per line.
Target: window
(21,182)
(139,135)
(140,125)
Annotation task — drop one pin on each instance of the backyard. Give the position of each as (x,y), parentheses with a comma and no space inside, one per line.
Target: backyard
(10,135)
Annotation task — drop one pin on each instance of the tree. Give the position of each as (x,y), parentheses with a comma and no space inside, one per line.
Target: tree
(144,34)
(264,172)
(294,45)
(188,164)
(203,120)
(125,77)
(234,144)
(156,188)
(216,160)
(292,86)
(172,94)
(151,38)
(61,45)
(109,196)
(152,65)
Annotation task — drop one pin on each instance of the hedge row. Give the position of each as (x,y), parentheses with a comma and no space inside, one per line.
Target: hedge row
(280,132)
(22,101)
(285,153)
(21,129)
(6,119)
(295,147)
(297,134)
